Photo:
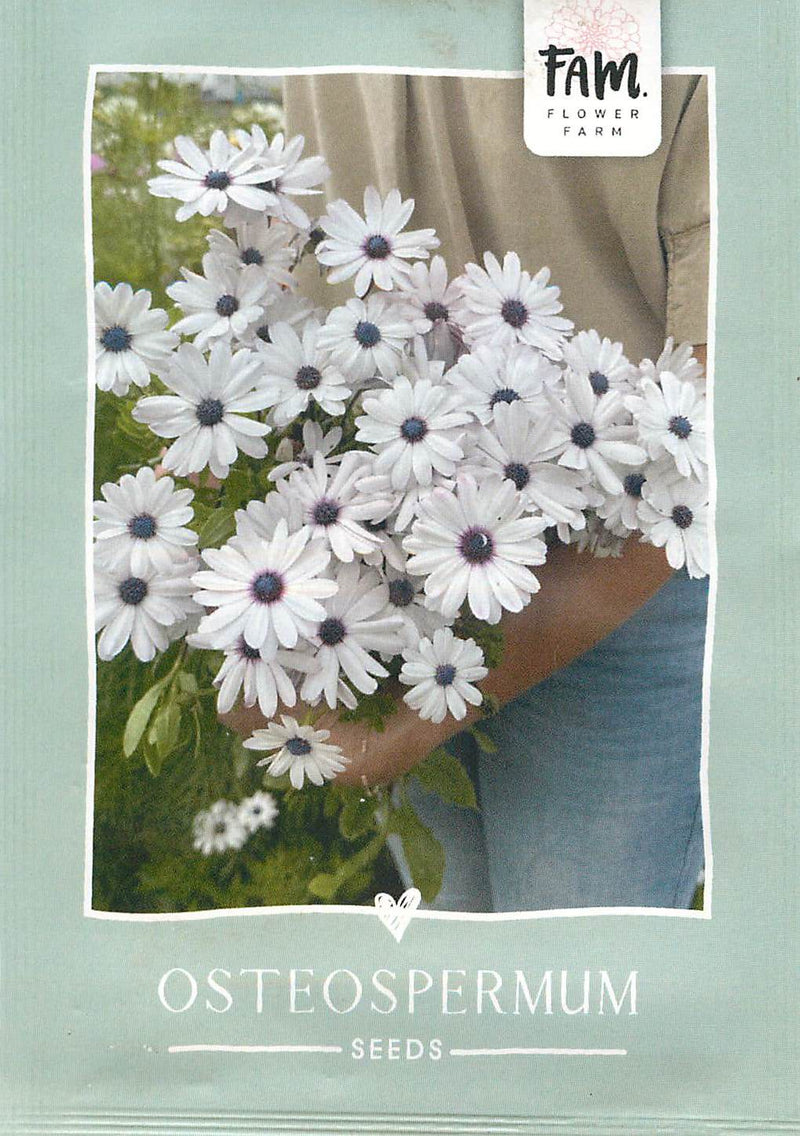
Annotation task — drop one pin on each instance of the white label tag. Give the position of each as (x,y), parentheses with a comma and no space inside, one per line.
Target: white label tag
(593,77)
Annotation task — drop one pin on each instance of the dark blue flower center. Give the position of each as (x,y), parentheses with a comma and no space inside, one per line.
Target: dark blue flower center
(325,512)
(445,674)
(401,591)
(367,334)
(683,516)
(116,338)
(434,310)
(583,435)
(505,394)
(252,255)
(142,527)
(476,546)
(209,412)
(377,247)
(414,429)
(633,483)
(599,381)
(332,631)
(307,378)
(248,652)
(518,473)
(514,312)
(680,426)
(267,587)
(298,747)
(226,305)
(217,179)
(133,590)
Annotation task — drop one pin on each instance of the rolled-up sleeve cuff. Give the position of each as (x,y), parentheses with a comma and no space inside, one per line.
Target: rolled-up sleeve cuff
(687,284)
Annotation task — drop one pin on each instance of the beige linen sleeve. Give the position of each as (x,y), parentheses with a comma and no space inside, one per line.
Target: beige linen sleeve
(684,221)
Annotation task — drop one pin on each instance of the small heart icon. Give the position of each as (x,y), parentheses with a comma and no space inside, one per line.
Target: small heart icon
(396,914)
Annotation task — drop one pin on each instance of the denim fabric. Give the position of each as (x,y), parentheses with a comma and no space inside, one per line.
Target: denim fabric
(593,799)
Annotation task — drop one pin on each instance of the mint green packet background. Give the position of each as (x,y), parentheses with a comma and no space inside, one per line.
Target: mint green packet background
(714,1045)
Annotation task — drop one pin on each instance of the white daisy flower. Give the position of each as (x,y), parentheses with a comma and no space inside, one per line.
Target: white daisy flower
(501,306)
(315,441)
(589,432)
(366,338)
(260,680)
(442,672)
(261,243)
(148,609)
(286,307)
(519,450)
(208,181)
(258,811)
(488,378)
(431,303)
(207,413)
(141,522)
(302,752)
(675,517)
(259,519)
(679,361)
(475,544)
(414,430)
(407,600)
(373,247)
(131,338)
(286,174)
(601,361)
(219,829)
(671,419)
(222,303)
(356,622)
(620,511)
(295,371)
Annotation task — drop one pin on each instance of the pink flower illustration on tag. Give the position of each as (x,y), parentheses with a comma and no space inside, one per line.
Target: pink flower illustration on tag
(597,25)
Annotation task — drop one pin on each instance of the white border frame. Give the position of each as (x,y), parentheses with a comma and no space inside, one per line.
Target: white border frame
(324,909)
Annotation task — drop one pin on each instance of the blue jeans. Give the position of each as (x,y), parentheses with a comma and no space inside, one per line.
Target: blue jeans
(593,799)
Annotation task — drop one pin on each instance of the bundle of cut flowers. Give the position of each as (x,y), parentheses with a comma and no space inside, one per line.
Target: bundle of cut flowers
(350,497)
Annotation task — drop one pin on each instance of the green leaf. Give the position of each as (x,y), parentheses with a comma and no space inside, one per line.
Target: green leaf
(484,741)
(442,773)
(423,852)
(357,817)
(238,489)
(187,682)
(139,717)
(165,729)
(373,709)
(325,885)
(217,529)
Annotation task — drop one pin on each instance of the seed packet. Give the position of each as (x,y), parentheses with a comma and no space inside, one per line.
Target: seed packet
(389,752)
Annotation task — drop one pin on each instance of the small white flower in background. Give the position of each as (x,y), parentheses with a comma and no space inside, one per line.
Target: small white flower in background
(602,362)
(207,413)
(442,673)
(671,419)
(356,621)
(259,243)
(302,752)
(501,306)
(219,829)
(591,432)
(285,174)
(372,248)
(284,307)
(679,361)
(476,545)
(258,811)
(598,538)
(141,522)
(260,680)
(222,303)
(295,372)
(266,591)
(415,430)
(208,181)
(431,303)
(131,337)
(314,442)
(675,517)
(149,609)
(489,377)
(366,338)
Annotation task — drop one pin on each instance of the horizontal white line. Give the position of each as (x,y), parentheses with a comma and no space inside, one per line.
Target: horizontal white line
(538,1052)
(255,1049)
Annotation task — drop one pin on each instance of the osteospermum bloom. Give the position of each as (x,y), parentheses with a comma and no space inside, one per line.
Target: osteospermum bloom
(219,828)
(258,811)
(261,244)
(148,608)
(141,522)
(675,517)
(475,544)
(301,751)
(286,174)
(131,337)
(207,181)
(266,591)
(671,419)
(207,414)
(222,303)
(601,361)
(620,511)
(442,672)
(244,669)
(507,305)
(414,431)
(295,372)
(366,338)
(372,247)
(488,378)
(431,302)
(407,600)
(680,361)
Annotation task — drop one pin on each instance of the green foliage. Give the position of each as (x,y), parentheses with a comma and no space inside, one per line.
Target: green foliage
(489,638)
(442,773)
(423,852)
(373,709)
